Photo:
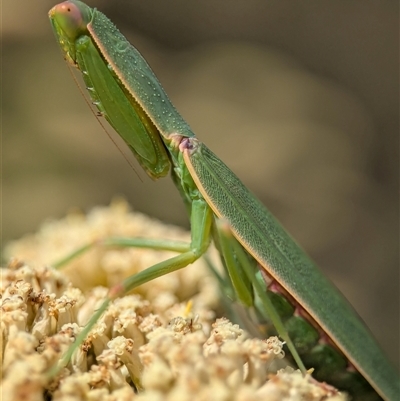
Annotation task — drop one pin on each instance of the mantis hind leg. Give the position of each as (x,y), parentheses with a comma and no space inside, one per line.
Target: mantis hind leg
(250,286)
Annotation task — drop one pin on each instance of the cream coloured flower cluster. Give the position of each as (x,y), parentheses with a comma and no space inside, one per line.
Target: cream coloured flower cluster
(162,343)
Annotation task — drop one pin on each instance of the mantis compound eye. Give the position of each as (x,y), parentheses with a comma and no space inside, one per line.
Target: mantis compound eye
(71,17)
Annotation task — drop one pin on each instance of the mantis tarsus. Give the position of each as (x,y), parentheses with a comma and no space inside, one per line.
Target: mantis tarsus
(250,240)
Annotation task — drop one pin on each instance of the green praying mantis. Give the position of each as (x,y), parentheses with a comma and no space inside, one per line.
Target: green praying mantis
(302,304)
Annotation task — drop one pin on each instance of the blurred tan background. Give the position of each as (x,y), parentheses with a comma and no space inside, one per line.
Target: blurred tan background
(300,99)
